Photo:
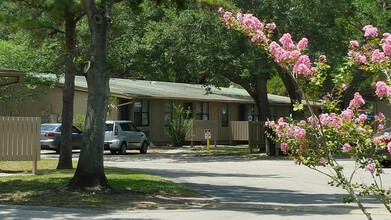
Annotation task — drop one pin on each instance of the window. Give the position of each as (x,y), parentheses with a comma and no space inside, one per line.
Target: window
(224,115)
(202,111)
(125,126)
(252,113)
(141,113)
(167,112)
(188,107)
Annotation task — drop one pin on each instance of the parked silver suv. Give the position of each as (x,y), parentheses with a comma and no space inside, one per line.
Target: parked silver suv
(123,135)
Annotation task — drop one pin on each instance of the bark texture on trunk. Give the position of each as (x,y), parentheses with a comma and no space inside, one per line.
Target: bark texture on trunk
(260,97)
(90,171)
(353,87)
(293,90)
(65,160)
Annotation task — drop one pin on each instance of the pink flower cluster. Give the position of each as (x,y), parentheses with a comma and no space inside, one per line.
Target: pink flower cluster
(357,101)
(287,52)
(284,129)
(370,167)
(250,22)
(346,147)
(376,56)
(247,23)
(382,89)
(370,31)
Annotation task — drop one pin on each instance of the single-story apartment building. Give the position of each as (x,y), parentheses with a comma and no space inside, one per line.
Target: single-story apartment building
(150,103)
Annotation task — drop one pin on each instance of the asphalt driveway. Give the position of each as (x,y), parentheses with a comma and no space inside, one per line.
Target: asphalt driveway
(269,183)
(265,188)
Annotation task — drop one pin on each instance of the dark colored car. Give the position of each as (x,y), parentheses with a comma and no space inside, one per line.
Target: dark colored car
(51,137)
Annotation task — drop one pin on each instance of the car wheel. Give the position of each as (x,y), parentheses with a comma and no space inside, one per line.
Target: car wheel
(122,149)
(144,148)
(113,151)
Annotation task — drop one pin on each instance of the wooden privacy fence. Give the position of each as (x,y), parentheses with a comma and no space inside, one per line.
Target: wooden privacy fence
(20,139)
(251,131)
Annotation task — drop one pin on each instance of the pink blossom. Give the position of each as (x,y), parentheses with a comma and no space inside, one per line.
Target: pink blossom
(287,43)
(313,120)
(380,117)
(380,127)
(343,86)
(361,119)
(280,54)
(370,31)
(303,66)
(354,44)
(370,167)
(376,140)
(284,146)
(260,37)
(378,56)
(294,55)
(346,147)
(382,89)
(386,38)
(299,133)
(271,26)
(351,53)
(361,58)
(387,49)
(221,10)
(303,43)
(251,22)
(322,160)
(357,101)
(324,119)
(389,147)
(302,122)
(347,115)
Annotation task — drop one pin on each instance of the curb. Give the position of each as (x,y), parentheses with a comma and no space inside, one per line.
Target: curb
(293,208)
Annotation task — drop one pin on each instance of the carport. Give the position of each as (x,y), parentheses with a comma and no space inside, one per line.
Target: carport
(10,76)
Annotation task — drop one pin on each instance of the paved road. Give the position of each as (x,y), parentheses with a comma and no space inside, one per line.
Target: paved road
(250,184)
(268,188)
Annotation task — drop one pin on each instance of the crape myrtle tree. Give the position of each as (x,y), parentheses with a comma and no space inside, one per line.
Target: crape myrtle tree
(319,140)
(47,19)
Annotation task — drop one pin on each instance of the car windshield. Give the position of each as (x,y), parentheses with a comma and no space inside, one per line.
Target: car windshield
(109,127)
(48,127)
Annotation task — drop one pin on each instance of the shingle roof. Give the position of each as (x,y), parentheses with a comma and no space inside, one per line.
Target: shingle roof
(176,91)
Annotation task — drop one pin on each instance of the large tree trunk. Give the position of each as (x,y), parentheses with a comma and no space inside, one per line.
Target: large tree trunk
(353,87)
(90,170)
(65,160)
(293,91)
(260,96)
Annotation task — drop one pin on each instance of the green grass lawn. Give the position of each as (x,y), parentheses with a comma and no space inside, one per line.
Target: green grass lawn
(131,189)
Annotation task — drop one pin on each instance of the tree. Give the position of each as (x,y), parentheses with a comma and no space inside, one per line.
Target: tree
(90,171)
(51,17)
